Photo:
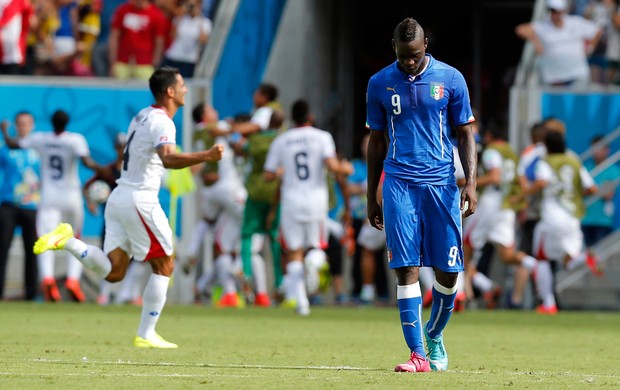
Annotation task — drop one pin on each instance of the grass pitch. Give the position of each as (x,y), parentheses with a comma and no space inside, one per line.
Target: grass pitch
(85,346)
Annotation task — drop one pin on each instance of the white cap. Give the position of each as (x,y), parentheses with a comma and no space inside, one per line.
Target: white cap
(558,5)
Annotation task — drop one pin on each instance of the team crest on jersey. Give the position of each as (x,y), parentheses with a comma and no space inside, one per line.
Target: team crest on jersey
(163,138)
(437,90)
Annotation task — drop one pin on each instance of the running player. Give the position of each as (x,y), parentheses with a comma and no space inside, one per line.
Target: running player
(135,222)
(303,152)
(61,195)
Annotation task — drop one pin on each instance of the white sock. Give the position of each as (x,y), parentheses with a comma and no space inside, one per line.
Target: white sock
(105,289)
(296,287)
(154,298)
(74,267)
(529,262)
(198,236)
(544,283)
(90,256)
(259,273)
(368,292)
(313,261)
(482,282)
(223,265)
(46,265)
(577,261)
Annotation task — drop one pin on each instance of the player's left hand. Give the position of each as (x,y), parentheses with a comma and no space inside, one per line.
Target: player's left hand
(469,200)
(375,215)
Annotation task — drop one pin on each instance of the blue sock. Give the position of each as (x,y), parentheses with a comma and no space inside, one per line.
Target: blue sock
(410,306)
(441,311)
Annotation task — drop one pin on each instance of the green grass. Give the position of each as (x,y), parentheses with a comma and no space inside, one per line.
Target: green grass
(85,346)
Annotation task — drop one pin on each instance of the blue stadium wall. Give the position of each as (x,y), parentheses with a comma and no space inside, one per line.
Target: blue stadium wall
(245,55)
(97,112)
(585,115)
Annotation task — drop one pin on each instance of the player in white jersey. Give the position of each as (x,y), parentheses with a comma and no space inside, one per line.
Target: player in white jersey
(563,181)
(303,153)
(61,195)
(136,225)
(221,202)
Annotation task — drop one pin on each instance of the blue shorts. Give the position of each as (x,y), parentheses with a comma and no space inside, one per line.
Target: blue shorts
(422,225)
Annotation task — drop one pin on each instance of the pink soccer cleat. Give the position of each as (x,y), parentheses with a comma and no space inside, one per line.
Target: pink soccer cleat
(416,363)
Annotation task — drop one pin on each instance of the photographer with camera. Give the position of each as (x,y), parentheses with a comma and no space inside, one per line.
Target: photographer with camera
(190,32)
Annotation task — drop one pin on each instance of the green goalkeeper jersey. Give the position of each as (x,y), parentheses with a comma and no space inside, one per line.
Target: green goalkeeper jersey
(256,149)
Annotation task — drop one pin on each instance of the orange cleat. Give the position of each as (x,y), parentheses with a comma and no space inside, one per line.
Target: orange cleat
(262,300)
(74,289)
(229,300)
(547,310)
(592,263)
(50,290)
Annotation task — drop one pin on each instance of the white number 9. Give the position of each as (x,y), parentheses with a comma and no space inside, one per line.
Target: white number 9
(454,255)
(396,104)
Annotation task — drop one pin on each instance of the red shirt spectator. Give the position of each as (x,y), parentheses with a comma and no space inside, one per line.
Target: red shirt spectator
(140,24)
(14,22)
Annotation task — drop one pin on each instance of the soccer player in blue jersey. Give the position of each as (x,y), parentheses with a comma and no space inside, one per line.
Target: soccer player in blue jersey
(411,105)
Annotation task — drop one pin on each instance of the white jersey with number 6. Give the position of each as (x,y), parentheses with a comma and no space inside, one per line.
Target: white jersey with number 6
(142,168)
(301,152)
(59,155)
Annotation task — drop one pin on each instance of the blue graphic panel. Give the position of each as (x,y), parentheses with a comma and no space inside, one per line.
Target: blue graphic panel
(99,113)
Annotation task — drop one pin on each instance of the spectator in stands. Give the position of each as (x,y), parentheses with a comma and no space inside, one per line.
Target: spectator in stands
(19,198)
(598,221)
(14,24)
(600,12)
(562,43)
(190,32)
(89,26)
(101,56)
(136,40)
(613,45)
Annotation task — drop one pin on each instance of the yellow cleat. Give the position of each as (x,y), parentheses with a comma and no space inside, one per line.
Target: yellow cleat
(154,342)
(289,304)
(54,240)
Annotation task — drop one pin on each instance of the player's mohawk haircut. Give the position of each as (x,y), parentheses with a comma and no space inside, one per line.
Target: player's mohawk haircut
(407,30)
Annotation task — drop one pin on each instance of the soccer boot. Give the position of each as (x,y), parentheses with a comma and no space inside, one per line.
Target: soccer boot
(416,363)
(54,240)
(74,290)
(154,342)
(437,356)
(262,300)
(229,300)
(593,263)
(547,310)
(50,290)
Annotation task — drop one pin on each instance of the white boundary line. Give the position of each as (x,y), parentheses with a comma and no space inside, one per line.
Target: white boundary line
(119,362)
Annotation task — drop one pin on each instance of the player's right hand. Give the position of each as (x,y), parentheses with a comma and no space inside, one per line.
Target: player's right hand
(375,215)
(215,153)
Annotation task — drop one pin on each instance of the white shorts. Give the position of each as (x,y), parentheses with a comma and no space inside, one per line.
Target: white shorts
(48,217)
(371,238)
(296,234)
(553,242)
(497,226)
(227,233)
(136,223)
(222,197)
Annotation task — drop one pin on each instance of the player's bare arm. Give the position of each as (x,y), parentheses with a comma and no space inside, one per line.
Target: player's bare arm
(246,128)
(339,167)
(10,142)
(468,156)
(493,177)
(174,160)
(377,151)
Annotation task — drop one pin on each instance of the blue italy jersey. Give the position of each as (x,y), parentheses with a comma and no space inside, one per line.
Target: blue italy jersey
(417,113)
